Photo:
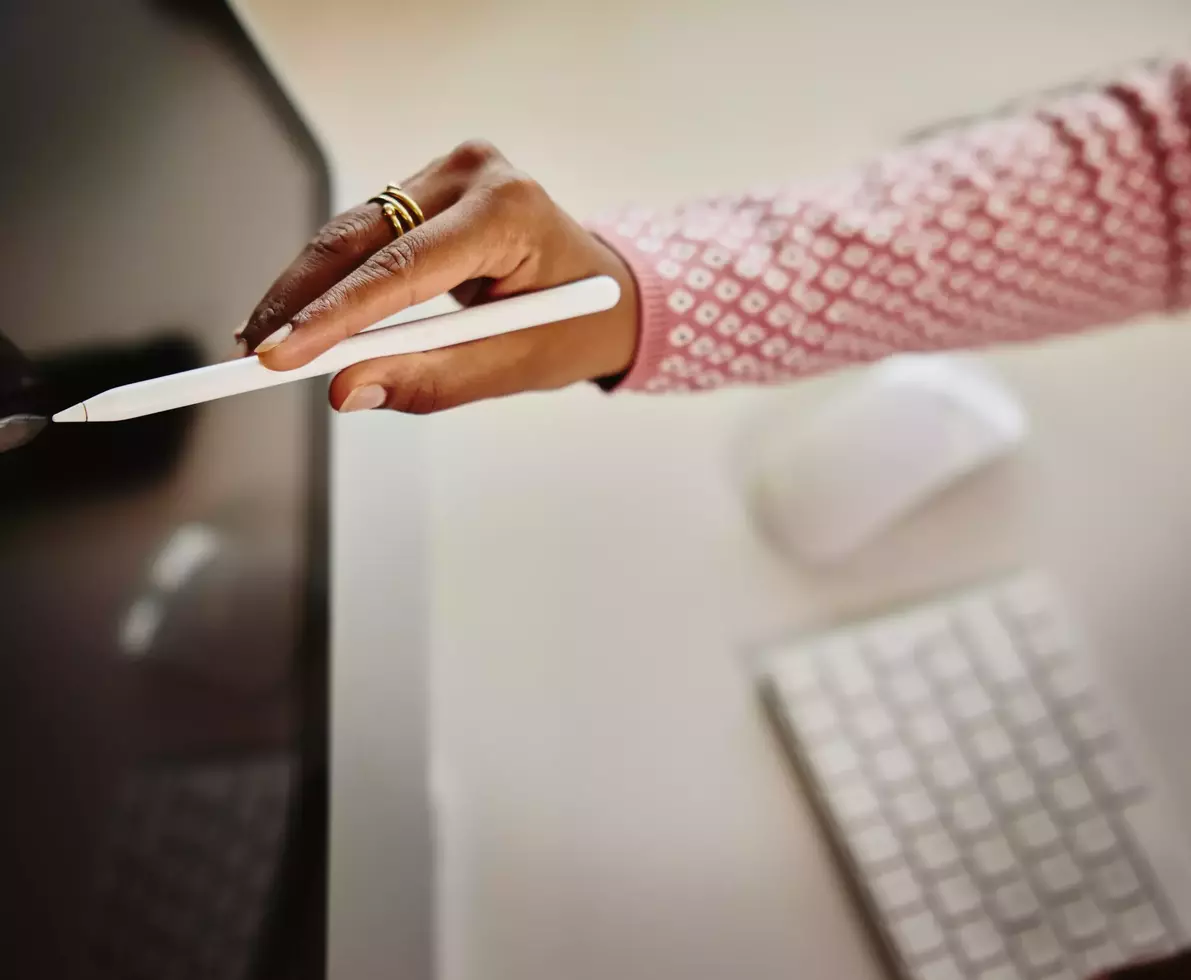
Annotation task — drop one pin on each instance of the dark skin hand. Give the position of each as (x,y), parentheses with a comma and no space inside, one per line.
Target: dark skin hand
(490,232)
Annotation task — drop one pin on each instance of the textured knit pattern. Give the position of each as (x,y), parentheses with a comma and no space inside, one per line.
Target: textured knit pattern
(1072,214)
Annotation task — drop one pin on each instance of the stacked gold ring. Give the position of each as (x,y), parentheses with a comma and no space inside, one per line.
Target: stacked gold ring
(401,209)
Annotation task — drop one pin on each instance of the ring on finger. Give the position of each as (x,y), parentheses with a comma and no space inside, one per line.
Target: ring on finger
(400,209)
(395,191)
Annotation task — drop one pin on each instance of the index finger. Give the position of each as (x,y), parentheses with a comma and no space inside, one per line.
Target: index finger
(460,244)
(340,246)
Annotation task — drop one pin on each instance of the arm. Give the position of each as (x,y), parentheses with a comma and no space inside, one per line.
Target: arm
(1074,214)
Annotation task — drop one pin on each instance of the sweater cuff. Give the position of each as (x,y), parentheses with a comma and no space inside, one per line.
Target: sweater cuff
(652,314)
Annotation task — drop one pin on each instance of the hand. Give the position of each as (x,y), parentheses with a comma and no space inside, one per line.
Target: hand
(490,232)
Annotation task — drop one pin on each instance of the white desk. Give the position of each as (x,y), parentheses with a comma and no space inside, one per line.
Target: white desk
(584,569)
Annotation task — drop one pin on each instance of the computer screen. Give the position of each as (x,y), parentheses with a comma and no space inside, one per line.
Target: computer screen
(163,719)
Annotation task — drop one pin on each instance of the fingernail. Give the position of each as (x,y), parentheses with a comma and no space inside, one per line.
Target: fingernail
(275,338)
(364,399)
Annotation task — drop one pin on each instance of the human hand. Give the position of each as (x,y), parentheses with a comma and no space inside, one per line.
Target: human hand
(490,232)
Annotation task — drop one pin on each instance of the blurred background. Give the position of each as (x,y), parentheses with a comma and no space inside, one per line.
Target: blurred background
(545,606)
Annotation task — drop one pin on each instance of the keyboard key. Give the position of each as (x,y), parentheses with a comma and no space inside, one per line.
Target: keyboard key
(992,746)
(928,729)
(1090,723)
(949,770)
(914,808)
(894,764)
(1005,971)
(1049,638)
(1094,838)
(939,969)
(980,942)
(936,851)
(909,690)
(847,670)
(815,719)
(897,889)
(854,802)
(1058,874)
(1101,958)
(1035,831)
(1049,753)
(1116,883)
(1014,788)
(1144,930)
(1071,793)
(1115,774)
(948,663)
(971,814)
(970,703)
(993,858)
(837,759)
(1025,710)
(873,723)
(1068,682)
(1038,947)
(876,845)
(1014,904)
(1083,923)
(919,934)
(897,641)
(995,649)
(958,897)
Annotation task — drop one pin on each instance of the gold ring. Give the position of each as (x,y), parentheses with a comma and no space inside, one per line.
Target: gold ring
(394,208)
(399,208)
(391,214)
(396,191)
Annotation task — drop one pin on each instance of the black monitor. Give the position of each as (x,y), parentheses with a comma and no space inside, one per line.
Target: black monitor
(163,671)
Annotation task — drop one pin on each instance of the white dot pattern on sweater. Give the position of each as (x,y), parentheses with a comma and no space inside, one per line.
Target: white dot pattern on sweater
(1075,214)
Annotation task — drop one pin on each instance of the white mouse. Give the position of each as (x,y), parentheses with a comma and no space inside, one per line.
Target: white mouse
(911,426)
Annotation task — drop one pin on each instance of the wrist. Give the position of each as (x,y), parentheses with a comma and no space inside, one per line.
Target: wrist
(652,319)
(622,329)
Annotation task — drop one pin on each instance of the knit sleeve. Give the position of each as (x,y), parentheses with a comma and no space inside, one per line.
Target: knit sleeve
(1071,214)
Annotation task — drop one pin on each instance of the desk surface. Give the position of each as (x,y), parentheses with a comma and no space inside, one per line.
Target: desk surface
(579,572)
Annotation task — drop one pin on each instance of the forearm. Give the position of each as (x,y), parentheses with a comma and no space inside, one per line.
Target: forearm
(1072,215)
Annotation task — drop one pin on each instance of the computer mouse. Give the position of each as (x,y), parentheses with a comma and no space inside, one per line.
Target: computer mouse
(907,428)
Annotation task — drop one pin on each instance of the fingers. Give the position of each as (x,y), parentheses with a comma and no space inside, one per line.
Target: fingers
(465,242)
(550,356)
(445,378)
(339,247)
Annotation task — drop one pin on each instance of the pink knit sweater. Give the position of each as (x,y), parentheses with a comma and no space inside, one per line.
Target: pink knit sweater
(1074,213)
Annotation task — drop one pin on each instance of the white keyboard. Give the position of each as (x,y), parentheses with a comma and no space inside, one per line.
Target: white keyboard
(986,803)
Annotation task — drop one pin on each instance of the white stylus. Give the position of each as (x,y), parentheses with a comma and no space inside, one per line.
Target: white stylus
(205,384)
